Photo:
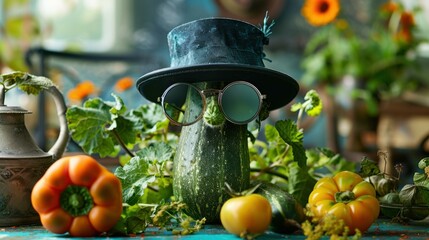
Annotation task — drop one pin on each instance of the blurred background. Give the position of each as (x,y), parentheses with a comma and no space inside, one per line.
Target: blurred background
(369,104)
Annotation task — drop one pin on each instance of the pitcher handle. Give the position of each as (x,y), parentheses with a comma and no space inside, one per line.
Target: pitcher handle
(60,144)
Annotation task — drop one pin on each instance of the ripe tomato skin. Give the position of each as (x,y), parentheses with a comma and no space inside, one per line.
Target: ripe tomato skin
(358,212)
(250,214)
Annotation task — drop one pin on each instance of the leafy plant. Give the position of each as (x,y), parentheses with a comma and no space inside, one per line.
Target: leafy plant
(146,146)
(383,59)
(28,83)
(400,204)
(282,158)
(19,29)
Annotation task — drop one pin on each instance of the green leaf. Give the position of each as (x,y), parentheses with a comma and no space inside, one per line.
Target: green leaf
(28,83)
(134,220)
(147,116)
(368,168)
(300,183)
(313,105)
(271,133)
(296,107)
(162,195)
(35,85)
(87,127)
(323,161)
(411,195)
(423,163)
(126,130)
(96,126)
(290,133)
(135,179)
(159,152)
(421,179)
(118,107)
(121,124)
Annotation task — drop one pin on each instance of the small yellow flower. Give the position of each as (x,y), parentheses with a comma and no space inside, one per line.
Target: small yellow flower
(320,12)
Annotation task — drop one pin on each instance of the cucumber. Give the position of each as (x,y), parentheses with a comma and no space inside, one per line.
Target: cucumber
(206,157)
(287,213)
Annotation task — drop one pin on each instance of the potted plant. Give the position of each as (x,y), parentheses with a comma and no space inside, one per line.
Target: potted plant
(359,69)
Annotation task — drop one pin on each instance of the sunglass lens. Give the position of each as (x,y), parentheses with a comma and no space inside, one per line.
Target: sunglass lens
(178,109)
(240,103)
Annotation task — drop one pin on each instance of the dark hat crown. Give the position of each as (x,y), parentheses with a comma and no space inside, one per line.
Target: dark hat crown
(216,40)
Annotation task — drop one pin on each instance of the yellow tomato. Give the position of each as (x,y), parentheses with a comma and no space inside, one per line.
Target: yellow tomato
(243,215)
(348,197)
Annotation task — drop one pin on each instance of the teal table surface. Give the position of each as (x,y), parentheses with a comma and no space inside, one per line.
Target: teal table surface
(382,229)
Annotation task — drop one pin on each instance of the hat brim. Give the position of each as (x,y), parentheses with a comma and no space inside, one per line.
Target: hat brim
(278,87)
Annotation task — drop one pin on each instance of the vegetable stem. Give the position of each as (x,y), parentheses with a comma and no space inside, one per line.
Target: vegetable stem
(119,139)
(344,197)
(76,200)
(269,171)
(299,117)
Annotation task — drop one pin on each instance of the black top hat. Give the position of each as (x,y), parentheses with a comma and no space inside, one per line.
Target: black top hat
(221,50)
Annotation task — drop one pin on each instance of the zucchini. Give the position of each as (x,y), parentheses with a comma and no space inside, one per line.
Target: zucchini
(287,213)
(206,157)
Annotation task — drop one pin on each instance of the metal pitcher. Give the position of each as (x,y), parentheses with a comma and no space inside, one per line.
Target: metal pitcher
(22,162)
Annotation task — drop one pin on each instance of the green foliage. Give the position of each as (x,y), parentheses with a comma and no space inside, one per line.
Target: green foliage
(28,83)
(166,215)
(103,127)
(300,183)
(213,114)
(92,125)
(19,30)
(368,168)
(382,59)
(283,159)
(312,104)
(293,136)
(422,179)
(135,179)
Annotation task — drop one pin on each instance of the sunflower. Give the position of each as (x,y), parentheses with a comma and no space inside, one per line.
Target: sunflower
(320,12)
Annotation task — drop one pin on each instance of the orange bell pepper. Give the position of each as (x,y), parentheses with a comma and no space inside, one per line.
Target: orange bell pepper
(79,196)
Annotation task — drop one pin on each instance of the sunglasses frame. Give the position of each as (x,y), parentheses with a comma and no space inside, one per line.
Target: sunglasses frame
(209,92)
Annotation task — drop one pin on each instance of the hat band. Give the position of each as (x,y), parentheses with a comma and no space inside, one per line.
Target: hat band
(217,54)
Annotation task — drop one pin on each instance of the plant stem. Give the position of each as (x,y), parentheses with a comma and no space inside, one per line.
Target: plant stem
(299,117)
(118,138)
(269,171)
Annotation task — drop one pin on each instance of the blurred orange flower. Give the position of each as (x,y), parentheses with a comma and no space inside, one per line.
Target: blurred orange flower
(382,56)
(320,12)
(405,28)
(389,7)
(81,91)
(406,23)
(124,84)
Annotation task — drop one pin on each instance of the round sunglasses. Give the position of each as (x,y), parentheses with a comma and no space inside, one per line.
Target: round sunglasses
(185,104)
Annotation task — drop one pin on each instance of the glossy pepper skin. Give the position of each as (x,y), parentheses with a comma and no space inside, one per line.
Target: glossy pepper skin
(348,197)
(79,196)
